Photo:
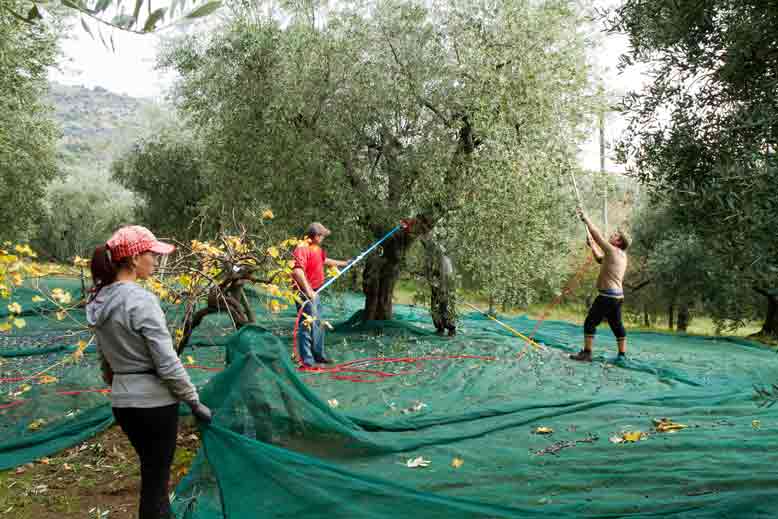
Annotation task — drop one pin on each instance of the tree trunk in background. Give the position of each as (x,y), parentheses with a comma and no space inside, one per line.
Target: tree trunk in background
(770,326)
(646,317)
(671,316)
(684,317)
(354,280)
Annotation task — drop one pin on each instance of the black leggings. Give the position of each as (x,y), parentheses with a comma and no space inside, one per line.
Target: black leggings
(152,432)
(605,308)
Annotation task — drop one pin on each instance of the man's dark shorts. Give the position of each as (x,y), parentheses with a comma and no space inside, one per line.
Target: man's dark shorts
(605,308)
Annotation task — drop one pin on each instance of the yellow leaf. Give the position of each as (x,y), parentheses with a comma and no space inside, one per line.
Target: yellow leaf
(36,424)
(61,296)
(666,425)
(267,214)
(37,299)
(24,250)
(308,320)
(190,359)
(457,462)
(61,315)
(20,323)
(274,306)
(15,308)
(756,424)
(272,252)
(633,436)
(185,280)
(16,279)
(44,461)
(47,379)
(5,327)
(544,430)
(179,334)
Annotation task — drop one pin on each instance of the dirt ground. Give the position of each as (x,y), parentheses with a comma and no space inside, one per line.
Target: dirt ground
(98,479)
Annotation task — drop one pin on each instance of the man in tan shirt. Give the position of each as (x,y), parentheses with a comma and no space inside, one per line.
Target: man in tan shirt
(612,257)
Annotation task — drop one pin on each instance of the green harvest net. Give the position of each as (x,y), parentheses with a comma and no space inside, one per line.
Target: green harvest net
(290,444)
(337,443)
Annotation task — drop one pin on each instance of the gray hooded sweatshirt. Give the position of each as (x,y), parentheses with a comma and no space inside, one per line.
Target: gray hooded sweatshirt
(133,340)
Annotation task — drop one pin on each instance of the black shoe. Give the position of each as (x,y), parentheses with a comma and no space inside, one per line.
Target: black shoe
(583,356)
(621,357)
(324,360)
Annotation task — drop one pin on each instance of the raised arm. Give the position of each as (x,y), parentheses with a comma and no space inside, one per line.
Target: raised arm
(597,236)
(596,252)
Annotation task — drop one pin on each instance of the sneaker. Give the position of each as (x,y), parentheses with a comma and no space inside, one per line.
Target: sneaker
(621,357)
(324,360)
(583,355)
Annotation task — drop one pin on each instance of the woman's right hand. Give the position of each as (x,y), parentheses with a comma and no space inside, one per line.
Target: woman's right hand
(201,412)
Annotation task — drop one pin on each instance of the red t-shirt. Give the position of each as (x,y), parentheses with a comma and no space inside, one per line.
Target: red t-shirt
(311,259)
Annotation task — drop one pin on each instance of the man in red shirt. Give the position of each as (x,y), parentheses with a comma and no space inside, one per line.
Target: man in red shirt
(308,272)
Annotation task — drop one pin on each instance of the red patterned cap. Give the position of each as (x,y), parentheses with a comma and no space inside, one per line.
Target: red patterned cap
(133,240)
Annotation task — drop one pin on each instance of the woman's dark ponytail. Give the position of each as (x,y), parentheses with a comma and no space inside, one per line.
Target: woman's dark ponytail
(103,269)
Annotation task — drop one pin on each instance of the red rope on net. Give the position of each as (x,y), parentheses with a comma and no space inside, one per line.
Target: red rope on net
(571,285)
(341,371)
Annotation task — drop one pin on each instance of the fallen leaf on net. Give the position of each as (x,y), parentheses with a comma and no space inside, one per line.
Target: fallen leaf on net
(457,462)
(666,425)
(616,439)
(36,424)
(47,379)
(633,436)
(417,462)
(756,424)
(333,402)
(544,430)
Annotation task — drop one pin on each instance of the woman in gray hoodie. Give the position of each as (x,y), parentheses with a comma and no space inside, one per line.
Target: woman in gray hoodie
(138,359)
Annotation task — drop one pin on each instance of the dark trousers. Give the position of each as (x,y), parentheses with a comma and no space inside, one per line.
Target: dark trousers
(605,308)
(152,432)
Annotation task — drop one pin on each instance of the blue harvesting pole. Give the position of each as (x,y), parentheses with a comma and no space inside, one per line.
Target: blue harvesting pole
(359,258)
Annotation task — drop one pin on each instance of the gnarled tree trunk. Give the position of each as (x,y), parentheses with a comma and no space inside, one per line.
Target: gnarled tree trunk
(770,325)
(684,317)
(380,276)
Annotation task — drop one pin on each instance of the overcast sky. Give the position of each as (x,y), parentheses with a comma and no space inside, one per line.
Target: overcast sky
(130,70)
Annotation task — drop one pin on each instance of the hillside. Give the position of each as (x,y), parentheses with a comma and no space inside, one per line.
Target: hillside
(98,124)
